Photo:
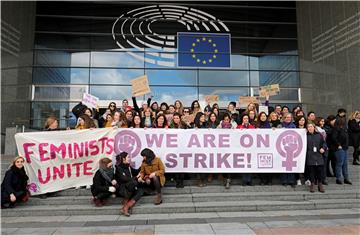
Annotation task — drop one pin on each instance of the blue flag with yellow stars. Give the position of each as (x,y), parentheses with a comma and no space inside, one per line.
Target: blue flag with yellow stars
(204,50)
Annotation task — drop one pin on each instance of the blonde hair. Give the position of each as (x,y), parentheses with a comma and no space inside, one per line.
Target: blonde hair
(15,159)
(50,121)
(285,115)
(354,114)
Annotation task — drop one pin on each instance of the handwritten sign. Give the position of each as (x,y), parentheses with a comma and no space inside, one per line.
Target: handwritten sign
(90,100)
(140,86)
(212,98)
(263,108)
(245,100)
(269,90)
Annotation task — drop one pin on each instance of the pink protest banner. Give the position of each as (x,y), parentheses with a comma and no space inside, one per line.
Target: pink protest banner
(57,160)
(64,159)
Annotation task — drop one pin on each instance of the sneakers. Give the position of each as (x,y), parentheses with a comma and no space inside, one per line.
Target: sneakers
(298,182)
(88,186)
(308,183)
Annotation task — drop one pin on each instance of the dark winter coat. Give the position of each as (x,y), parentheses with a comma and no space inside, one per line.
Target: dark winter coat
(354,133)
(314,141)
(339,137)
(126,178)
(100,185)
(15,181)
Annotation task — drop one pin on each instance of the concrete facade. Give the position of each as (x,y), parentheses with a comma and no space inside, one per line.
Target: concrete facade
(329,51)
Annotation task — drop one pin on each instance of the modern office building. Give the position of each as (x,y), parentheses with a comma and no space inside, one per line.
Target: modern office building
(53,52)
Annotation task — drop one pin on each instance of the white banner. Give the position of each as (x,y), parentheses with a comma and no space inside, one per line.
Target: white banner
(62,159)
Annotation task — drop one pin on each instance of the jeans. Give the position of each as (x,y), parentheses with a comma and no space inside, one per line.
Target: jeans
(287,178)
(341,167)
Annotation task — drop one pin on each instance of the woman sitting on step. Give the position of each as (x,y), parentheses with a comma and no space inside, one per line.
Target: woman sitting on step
(103,182)
(13,187)
(152,173)
(126,176)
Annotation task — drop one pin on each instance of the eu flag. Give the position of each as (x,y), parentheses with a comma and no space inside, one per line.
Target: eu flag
(204,50)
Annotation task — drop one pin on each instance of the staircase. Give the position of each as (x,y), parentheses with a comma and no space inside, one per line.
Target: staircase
(71,210)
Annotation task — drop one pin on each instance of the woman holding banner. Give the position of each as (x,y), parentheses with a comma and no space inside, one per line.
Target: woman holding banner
(263,123)
(314,158)
(13,187)
(152,173)
(103,182)
(287,178)
(176,123)
(126,176)
(85,122)
(200,122)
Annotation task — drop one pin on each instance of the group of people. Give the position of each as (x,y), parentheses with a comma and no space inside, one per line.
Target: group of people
(328,140)
(127,182)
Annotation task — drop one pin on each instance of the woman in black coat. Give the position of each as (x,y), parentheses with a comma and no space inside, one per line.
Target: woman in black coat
(354,136)
(103,182)
(13,187)
(314,158)
(126,177)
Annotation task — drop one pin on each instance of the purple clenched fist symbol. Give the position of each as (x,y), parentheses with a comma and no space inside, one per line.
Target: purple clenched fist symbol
(127,143)
(290,144)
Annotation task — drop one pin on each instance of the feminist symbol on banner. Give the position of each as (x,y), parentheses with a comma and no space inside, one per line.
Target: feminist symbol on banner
(32,187)
(127,141)
(289,145)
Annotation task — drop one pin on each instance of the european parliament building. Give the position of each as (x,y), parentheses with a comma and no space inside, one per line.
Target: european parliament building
(53,52)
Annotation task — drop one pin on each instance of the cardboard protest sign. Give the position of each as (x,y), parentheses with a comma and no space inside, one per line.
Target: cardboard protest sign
(90,100)
(245,100)
(269,90)
(140,86)
(264,109)
(212,98)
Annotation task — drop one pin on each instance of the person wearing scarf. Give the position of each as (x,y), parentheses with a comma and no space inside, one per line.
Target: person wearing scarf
(103,182)
(13,187)
(126,176)
(152,173)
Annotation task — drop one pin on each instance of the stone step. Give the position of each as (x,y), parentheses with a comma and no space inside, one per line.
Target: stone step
(206,197)
(218,189)
(182,207)
(150,218)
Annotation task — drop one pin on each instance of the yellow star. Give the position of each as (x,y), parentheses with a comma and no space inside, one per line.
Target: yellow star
(210,60)
(216,50)
(204,62)
(198,60)
(210,40)
(214,56)
(214,45)
(192,50)
(194,44)
(204,39)
(198,40)
(193,56)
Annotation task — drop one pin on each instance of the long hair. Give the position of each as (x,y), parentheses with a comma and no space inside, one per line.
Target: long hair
(148,154)
(156,121)
(15,159)
(89,123)
(197,120)
(120,158)
(49,121)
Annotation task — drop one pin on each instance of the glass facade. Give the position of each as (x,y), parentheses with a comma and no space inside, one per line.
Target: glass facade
(75,52)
